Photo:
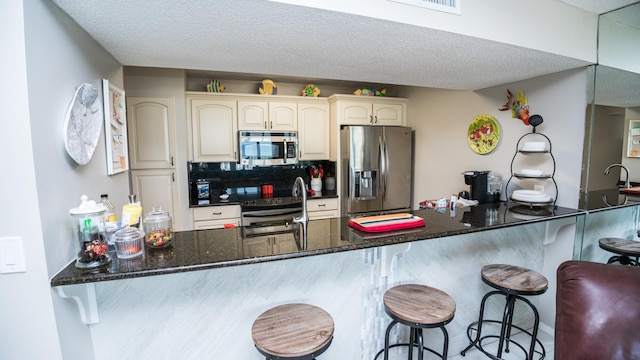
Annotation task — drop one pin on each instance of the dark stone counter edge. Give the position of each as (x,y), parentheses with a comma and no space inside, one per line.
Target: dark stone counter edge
(391,238)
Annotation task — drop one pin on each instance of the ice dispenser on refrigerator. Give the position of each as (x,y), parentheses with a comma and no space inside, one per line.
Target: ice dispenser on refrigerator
(365,184)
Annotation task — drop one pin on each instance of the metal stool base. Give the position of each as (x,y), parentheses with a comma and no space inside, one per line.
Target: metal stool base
(311,356)
(415,339)
(504,339)
(478,344)
(624,260)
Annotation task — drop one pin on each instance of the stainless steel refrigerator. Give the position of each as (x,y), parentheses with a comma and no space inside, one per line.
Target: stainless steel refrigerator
(377,169)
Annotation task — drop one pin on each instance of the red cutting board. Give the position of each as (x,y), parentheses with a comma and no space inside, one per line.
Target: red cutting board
(632,190)
(382,223)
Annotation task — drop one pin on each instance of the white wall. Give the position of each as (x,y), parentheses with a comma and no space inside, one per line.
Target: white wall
(52,56)
(441,119)
(61,57)
(25,305)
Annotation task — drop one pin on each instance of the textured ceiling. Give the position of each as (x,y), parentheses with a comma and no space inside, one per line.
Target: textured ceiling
(285,41)
(599,6)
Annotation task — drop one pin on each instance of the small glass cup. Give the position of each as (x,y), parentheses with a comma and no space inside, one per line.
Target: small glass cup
(128,242)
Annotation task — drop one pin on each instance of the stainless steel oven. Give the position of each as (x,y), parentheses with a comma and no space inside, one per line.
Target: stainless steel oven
(268,217)
(269,211)
(264,148)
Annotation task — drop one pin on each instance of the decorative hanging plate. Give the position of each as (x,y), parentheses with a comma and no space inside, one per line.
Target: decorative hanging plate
(484,134)
(83,124)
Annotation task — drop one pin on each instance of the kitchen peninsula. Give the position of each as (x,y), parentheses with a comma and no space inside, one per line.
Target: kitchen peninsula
(211,284)
(210,249)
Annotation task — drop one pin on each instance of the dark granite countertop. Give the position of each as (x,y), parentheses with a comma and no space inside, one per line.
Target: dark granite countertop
(607,199)
(209,249)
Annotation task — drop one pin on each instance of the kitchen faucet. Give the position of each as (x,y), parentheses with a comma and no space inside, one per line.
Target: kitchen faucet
(627,184)
(299,188)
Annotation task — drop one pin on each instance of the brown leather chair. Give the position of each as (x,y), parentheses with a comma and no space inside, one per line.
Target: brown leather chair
(597,312)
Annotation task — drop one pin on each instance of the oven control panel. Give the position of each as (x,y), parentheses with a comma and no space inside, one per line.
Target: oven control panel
(270,202)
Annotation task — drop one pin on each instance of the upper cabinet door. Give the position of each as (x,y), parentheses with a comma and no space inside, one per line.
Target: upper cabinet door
(252,115)
(354,113)
(152,131)
(368,110)
(283,116)
(388,114)
(213,130)
(313,123)
(259,115)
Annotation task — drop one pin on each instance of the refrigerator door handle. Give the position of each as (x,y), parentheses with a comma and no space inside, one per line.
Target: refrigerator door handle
(384,161)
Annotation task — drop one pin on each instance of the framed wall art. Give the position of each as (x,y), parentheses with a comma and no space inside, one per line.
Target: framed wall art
(115,128)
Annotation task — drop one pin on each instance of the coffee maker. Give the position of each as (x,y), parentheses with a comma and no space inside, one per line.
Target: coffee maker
(485,186)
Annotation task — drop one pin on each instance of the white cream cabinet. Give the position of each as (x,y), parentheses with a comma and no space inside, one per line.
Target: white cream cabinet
(260,115)
(369,110)
(314,130)
(215,217)
(213,126)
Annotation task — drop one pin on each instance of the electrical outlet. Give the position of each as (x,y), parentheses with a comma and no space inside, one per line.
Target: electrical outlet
(11,255)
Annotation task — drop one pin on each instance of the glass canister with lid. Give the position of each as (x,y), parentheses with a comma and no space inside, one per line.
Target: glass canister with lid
(128,242)
(90,236)
(158,228)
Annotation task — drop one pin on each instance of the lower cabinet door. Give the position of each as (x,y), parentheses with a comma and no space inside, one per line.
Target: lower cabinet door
(215,224)
(155,188)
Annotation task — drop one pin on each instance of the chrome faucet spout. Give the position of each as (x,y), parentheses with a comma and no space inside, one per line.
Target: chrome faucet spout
(300,189)
(627,182)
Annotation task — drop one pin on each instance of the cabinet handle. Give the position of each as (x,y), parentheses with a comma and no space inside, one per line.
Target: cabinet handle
(322,205)
(265,125)
(370,119)
(173,177)
(216,213)
(172,161)
(271,124)
(376,119)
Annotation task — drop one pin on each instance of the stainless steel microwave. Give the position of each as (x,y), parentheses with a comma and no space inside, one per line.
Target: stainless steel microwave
(265,148)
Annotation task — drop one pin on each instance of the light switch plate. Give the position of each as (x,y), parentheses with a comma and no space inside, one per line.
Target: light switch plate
(11,255)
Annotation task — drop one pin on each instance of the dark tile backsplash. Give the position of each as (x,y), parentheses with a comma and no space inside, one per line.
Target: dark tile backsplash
(230,177)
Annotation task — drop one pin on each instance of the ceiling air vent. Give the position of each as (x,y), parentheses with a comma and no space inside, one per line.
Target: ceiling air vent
(450,6)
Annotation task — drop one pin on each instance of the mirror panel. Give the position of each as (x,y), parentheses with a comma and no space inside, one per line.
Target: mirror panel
(613,98)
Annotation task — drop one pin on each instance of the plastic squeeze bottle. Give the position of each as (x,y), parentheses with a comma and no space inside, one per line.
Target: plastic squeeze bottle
(132,212)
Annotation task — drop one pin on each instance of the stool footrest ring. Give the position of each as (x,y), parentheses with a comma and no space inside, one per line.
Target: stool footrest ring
(477,342)
(407,345)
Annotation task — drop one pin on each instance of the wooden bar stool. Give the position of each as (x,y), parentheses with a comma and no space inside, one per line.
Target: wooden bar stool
(292,332)
(626,250)
(419,307)
(512,282)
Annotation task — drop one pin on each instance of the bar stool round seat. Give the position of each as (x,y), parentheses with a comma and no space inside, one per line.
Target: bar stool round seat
(419,307)
(628,250)
(293,332)
(512,282)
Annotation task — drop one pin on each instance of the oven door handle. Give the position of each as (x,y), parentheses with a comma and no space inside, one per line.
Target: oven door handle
(291,212)
(285,151)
